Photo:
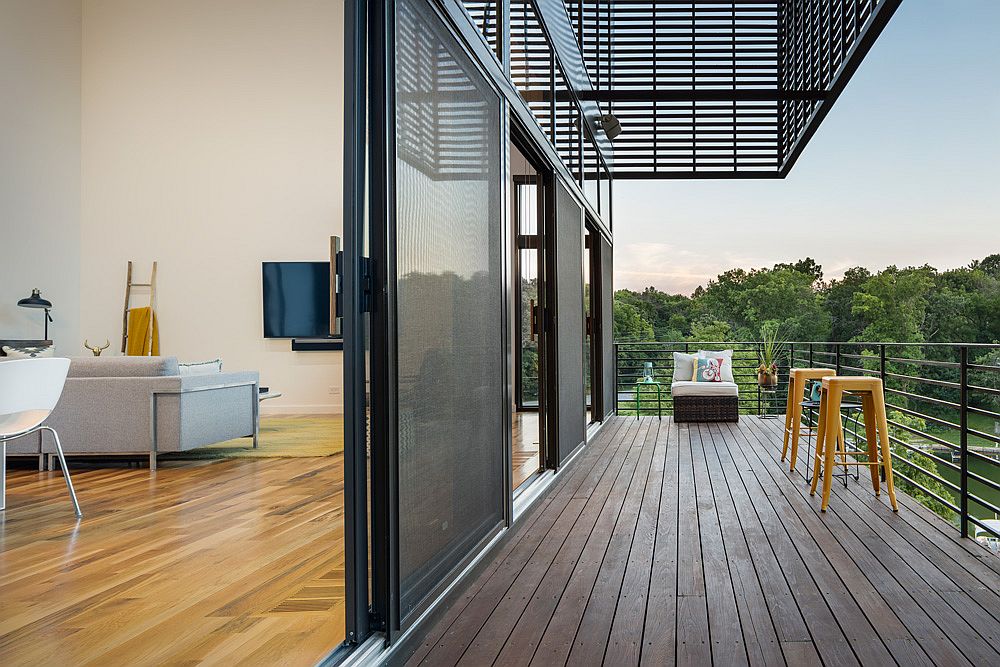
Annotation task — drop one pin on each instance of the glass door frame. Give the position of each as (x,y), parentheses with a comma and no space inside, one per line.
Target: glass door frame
(354,304)
(594,322)
(384,434)
(547,371)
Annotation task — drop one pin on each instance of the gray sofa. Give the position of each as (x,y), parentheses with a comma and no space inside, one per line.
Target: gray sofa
(110,405)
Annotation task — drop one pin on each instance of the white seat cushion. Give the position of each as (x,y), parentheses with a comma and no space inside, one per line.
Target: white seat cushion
(704,389)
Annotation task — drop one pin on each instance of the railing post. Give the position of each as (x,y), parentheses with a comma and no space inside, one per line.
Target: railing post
(963,370)
(836,349)
(881,364)
(810,355)
(759,397)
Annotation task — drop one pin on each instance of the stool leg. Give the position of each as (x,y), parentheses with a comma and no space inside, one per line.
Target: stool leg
(796,434)
(871,435)
(820,443)
(792,381)
(833,434)
(883,423)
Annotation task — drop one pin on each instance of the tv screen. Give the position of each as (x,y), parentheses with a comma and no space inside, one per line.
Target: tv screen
(296,299)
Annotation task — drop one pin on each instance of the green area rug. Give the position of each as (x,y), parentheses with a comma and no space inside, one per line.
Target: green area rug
(281,436)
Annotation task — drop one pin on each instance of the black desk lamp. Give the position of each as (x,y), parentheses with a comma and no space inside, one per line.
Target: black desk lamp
(36,301)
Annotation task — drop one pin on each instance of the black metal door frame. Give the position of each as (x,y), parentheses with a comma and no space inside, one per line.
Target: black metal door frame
(594,326)
(381,208)
(354,299)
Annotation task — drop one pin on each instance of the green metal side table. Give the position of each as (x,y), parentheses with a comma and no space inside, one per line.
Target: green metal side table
(638,397)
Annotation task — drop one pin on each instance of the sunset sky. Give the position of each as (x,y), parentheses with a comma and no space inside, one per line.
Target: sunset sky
(905,170)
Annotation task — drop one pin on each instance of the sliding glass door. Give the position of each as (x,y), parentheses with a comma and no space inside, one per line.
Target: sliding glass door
(443,413)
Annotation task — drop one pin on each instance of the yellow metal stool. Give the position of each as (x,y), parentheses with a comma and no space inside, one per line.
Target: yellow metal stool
(830,433)
(798,380)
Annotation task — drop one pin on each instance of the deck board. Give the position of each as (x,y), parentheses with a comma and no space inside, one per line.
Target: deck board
(693,544)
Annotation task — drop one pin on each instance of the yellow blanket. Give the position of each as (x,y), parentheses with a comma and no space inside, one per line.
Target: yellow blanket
(138,343)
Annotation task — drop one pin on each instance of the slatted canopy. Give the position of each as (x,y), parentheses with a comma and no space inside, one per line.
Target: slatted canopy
(703,89)
(720,89)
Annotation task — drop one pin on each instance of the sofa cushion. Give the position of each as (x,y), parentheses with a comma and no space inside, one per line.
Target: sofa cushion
(110,367)
(682,388)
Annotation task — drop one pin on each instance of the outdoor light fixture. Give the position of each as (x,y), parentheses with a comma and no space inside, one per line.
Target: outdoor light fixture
(611,125)
(36,301)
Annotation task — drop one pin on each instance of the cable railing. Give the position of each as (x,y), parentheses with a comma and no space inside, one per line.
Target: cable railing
(942,399)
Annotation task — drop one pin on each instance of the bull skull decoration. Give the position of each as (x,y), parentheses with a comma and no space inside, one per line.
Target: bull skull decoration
(97,350)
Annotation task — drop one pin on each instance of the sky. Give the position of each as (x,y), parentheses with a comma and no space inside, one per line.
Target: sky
(904,170)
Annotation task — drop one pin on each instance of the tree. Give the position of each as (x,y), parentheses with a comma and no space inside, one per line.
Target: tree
(838,301)
(747,299)
(629,325)
(893,304)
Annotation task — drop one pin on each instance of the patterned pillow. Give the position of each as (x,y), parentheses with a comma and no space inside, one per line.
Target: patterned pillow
(709,369)
(727,365)
(26,352)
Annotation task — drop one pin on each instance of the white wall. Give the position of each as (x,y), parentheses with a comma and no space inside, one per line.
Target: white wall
(40,167)
(212,141)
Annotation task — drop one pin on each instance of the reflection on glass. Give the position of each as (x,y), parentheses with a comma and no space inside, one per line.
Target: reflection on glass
(449,327)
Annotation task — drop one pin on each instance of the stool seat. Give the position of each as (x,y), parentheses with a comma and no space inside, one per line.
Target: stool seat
(852,383)
(798,378)
(830,449)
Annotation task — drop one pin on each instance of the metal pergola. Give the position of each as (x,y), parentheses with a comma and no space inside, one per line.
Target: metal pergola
(703,88)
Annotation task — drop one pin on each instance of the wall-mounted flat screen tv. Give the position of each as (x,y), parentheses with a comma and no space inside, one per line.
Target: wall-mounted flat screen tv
(296,299)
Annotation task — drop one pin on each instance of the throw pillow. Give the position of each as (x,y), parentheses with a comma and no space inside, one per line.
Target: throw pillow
(29,352)
(201,367)
(709,369)
(727,366)
(683,366)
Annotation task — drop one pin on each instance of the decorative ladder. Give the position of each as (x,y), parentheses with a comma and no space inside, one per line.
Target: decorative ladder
(128,298)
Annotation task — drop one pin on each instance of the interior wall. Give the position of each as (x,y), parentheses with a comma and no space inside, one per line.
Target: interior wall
(212,141)
(40,167)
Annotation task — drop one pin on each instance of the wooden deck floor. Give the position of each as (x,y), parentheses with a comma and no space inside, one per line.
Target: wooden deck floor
(676,544)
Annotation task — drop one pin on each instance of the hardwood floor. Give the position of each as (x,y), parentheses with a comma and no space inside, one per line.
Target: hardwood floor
(525,454)
(691,544)
(221,562)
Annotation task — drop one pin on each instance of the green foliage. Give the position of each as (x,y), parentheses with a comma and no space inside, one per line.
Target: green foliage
(893,304)
(786,293)
(711,330)
(902,455)
(902,305)
(629,324)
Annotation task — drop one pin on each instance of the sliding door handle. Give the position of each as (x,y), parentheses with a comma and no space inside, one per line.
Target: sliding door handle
(532,320)
(336,284)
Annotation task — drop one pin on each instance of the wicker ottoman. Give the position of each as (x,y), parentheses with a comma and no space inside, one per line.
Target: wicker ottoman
(706,409)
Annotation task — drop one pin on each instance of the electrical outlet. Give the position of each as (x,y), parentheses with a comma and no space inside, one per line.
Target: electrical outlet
(334,391)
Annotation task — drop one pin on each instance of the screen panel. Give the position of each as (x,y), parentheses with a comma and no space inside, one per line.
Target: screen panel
(450,340)
(607,325)
(569,321)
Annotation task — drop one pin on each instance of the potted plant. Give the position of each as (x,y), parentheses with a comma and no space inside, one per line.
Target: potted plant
(769,350)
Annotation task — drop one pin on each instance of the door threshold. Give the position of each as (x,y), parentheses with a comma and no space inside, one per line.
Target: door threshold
(531,491)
